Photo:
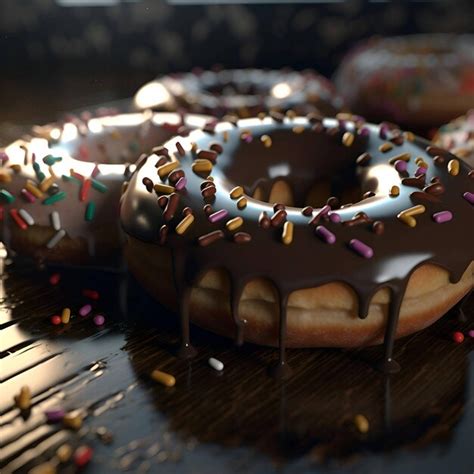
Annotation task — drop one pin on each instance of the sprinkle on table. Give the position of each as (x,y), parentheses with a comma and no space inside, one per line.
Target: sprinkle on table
(6,196)
(18,219)
(33,189)
(26,216)
(55,220)
(216,364)
(28,196)
(164,378)
(55,239)
(54,198)
(23,398)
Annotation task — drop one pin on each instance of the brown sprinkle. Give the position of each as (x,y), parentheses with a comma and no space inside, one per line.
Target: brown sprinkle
(421,196)
(211,237)
(180,149)
(175,176)
(207,155)
(266,140)
(163,201)
(363,159)
(163,234)
(160,150)
(378,227)
(216,147)
(264,221)
(161,161)
(209,191)
(186,211)
(277,116)
(394,191)
(278,218)
(171,207)
(418,182)
(208,209)
(242,237)
(436,189)
(148,184)
(439,160)
(307,211)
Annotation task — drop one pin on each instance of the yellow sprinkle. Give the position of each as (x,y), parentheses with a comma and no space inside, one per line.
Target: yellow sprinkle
(291,114)
(234,223)
(409,136)
(162,377)
(453,167)
(23,399)
(182,227)
(237,192)
(394,191)
(47,183)
(44,468)
(402,157)
(66,316)
(194,147)
(266,140)
(202,166)
(406,216)
(167,168)
(415,210)
(384,147)
(33,190)
(348,139)
(72,420)
(115,134)
(64,453)
(344,116)
(421,162)
(163,188)
(242,203)
(210,178)
(298,129)
(225,135)
(5,176)
(287,235)
(16,168)
(361,423)
(261,115)
(409,221)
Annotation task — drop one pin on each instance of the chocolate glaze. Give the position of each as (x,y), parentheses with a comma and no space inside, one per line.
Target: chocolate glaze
(242,91)
(113,143)
(302,159)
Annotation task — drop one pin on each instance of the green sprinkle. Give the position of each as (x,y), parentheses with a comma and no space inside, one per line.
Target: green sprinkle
(39,174)
(99,186)
(54,198)
(6,196)
(50,159)
(71,178)
(90,211)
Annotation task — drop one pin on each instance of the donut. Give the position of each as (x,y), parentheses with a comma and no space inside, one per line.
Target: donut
(458,137)
(244,92)
(60,187)
(245,248)
(419,81)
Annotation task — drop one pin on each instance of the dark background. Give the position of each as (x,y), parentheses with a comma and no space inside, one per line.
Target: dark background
(55,58)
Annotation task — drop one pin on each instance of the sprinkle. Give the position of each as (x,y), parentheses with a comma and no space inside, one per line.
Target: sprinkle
(266,140)
(181,183)
(26,217)
(18,220)
(166,169)
(384,147)
(406,216)
(418,182)
(278,218)
(183,226)
(362,249)
(361,423)
(400,157)
(54,415)
(91,294)
(209,191)
(458,337)
(442,217)
(420,170)
(409,136)
(325,210)
(217,147)
(99,320)
(85,310)
(54,198)
(148,183)
(287,234)
(55,278)
(471,333)
(65,315)
(348,139)
(162,377)
(207,208)
(28,196)
(401,166)
(453,167)
(207,239)
(334,217)
(163,188)
(56,320)
(72,420)
(3,157)
(47,183)
(236,192)
(181,150)
(394,191)
(39,174)
(98,186)
(95,171)
(242,203)
(55,239)
(6,196)
(84,192)
(215,364)
(469,197)
(83,456)
(307,211)
(436,189)
(234,223)
(207,155)
(201,166)
(277,116)
(378,227)
(171,207)
(218,215)
(55,220)
(421,162)
(363,159)
(163,234)
(64,453)
(325,234)
(30,186)
(90,211)
(78,176)
(23,399)
(242,237)
(298,129)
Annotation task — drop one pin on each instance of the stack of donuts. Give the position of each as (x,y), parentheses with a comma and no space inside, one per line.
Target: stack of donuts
(256,205)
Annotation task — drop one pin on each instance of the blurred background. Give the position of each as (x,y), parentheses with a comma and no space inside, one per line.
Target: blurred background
(59,55)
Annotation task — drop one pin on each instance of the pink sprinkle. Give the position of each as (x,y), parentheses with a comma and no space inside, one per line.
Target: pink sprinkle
(469,197)
(55,278)
(85,310)
(28,196)
(218,215)
(335,217)
(401,166)
(443,216)
(420,170)
(99,320)
(3,157)
(181,183)
(362,249)
(95,171)
(325,234)
(471,333)
(54,415)
(248,138)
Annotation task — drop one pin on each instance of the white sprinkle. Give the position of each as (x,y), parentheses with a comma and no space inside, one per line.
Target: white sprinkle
(55,220)
(56,238)
(26,217)
(216,364)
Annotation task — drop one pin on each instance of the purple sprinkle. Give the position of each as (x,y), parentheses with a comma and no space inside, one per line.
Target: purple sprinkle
(383,131)
(420,170)
(218,215)
(99,320)
(54,415)
(325,210)
(3,157)
(85,310)
(364,132)
(325,234)
(469,197)
(362,249)
(181,183)
(442,216)
(335,217)
(28,196)
(471,333)
(248,138)
(401,166)
(342,124)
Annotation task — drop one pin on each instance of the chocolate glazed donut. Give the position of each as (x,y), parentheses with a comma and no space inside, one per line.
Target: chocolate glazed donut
(409,240)
(60,188)
(244,92)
